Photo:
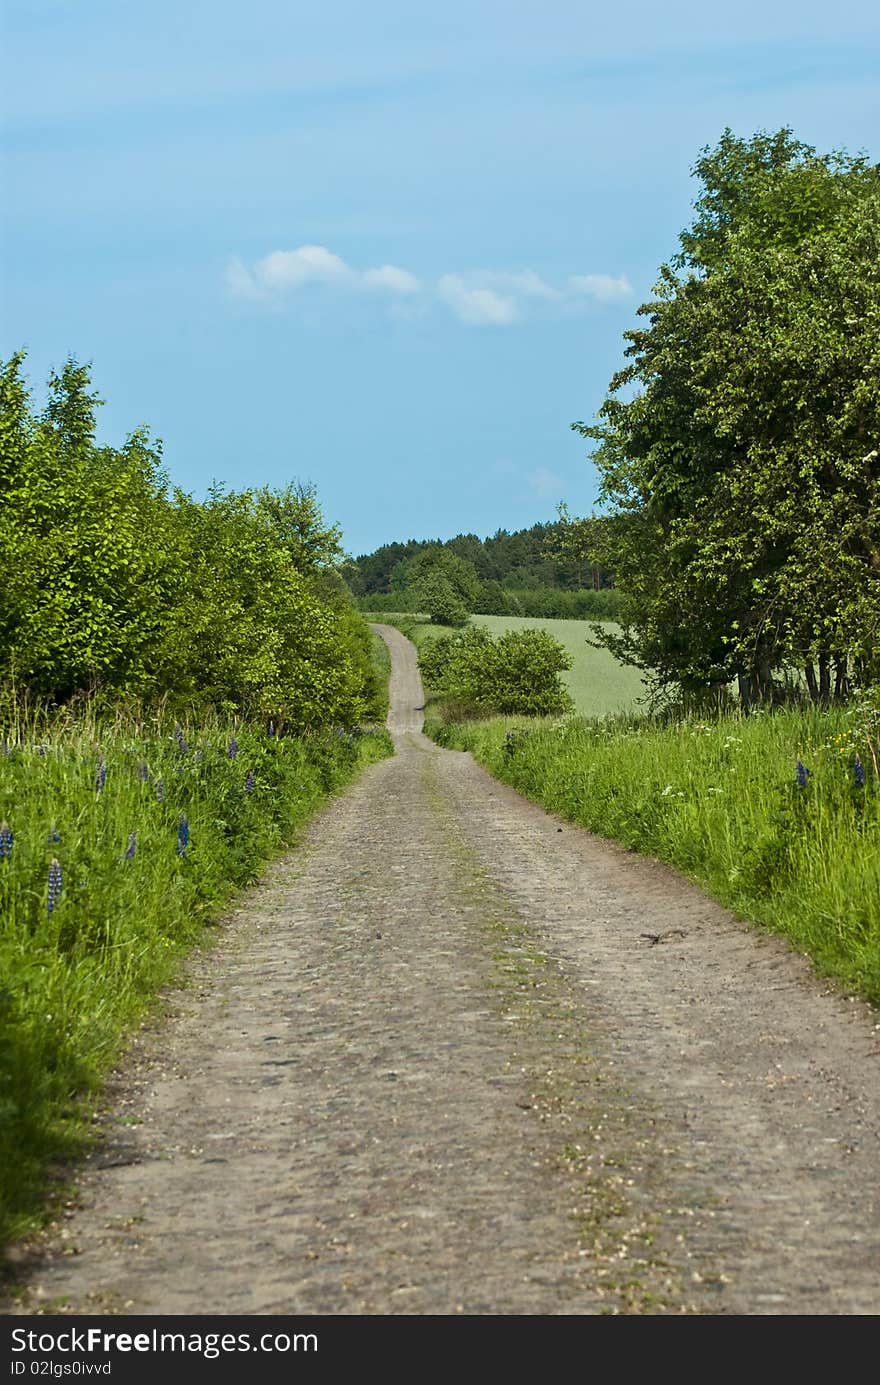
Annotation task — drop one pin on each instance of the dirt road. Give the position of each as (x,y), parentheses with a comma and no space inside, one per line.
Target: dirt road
(455,1056)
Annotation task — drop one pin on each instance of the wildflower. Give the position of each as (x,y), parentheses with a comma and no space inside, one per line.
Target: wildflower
(178,736)
(5,841)
(271,730)
(100,775)
(53,893)
(859,771)
(801,773)
(142,772)
(249,782)
(233,747)
(132,846)
(54,835)
(182,835)
(41,749)
(160,790)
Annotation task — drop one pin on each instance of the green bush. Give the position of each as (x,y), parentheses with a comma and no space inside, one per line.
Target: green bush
(437,596)
(113,584)
(516,673)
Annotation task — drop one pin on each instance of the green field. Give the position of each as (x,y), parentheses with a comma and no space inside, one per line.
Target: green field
(597,681)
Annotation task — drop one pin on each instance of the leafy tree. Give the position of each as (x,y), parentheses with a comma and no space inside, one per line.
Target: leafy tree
(436,594)
(740,479)
(442,584)
(113,585)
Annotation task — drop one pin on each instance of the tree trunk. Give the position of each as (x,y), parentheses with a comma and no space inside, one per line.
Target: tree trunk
(841,679)
(824,676)
(812,685)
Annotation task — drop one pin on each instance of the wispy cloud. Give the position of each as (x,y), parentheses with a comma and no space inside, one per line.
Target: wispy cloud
(476,297)
(602,287)
(391,278)
(478,306)
(546,483)
(285,270)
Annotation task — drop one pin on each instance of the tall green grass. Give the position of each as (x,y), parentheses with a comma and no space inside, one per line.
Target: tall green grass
(720,800)
(208,805)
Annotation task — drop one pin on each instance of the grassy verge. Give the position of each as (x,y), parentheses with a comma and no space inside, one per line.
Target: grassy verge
(721,802)
(382,670)
(118,844)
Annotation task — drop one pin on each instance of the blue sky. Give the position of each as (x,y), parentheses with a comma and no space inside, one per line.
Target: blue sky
(388,248)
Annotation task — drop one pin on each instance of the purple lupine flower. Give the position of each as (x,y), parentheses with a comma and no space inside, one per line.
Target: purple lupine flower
(182,835)
(178,736)
(160,790)
(801,773)
(132,846)
(249,782)
(859,771)
(54,835)
(6,840)
(100,775)
(53,892)
(142,772)
(41,749)
(233,747)
(271,728)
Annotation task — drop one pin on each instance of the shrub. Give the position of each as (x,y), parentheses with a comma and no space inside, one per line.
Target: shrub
(517,673)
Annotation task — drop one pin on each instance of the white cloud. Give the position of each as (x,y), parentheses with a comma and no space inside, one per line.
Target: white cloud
(283,271)
(390,277)
(310,264)
(240,281)
(479,307)
(526,285)
(603,287)
(479,298)
(546,483)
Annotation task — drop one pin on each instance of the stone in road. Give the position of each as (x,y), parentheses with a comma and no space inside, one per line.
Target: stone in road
(454,1056)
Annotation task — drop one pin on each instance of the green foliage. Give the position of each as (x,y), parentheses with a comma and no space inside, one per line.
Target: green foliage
(73,979)
(437,596)
(550,603)
(720,801)
(742,478)
(518,672)
(442,584)
(113,585)
(598,683)
(527,559)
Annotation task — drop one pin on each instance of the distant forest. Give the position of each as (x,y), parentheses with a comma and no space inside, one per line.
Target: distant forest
(519,573)
(524,560)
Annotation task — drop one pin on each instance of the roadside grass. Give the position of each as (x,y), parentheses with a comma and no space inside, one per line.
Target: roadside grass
(720,801)
(382,672)
(599,684)
(120,841)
